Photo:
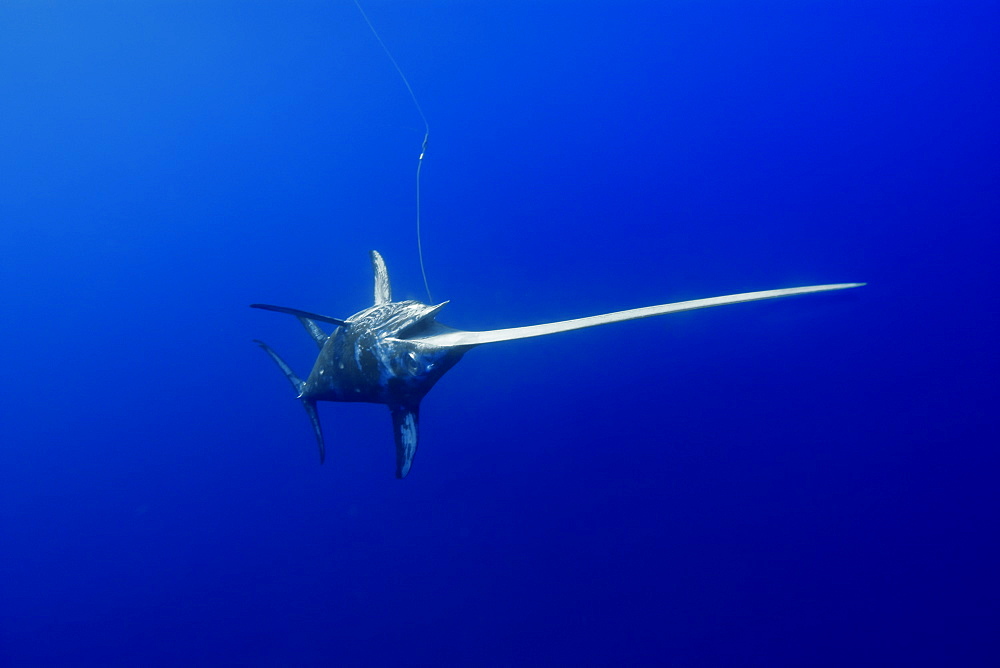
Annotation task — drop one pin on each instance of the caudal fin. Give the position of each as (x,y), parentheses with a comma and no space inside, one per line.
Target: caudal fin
(308,404)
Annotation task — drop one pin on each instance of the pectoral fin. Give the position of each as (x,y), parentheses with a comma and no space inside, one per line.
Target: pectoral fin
(300,313)
(404,424)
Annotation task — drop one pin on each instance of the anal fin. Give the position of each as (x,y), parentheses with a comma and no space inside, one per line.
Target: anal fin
(405,422)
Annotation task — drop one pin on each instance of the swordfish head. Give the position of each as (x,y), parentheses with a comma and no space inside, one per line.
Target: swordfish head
(392,353)
(370,357)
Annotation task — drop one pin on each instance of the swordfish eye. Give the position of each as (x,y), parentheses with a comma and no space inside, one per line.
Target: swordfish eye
(412,363)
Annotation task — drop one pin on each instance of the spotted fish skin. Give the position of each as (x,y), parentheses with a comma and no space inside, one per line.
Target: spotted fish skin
(370,359)
(393,353)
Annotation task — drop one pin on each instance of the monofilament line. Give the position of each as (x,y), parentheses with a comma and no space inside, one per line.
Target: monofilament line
(423,146)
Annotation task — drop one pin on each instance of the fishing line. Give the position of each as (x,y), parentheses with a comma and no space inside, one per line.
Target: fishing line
(423,146)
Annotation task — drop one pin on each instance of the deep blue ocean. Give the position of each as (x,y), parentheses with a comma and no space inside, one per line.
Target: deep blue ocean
(799,482)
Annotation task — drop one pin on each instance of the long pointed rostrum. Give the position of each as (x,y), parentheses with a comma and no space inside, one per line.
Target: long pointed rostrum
(393,353)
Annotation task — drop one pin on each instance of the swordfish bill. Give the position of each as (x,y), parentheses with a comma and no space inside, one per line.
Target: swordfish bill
(393,353)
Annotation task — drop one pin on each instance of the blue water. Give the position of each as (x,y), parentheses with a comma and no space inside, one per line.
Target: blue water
(801,482)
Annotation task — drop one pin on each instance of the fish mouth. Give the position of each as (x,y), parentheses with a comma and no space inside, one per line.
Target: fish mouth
(414,319)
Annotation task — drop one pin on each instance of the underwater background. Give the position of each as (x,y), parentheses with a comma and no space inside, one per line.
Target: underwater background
(808,481)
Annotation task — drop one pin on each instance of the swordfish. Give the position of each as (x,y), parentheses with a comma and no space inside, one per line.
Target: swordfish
(393,353)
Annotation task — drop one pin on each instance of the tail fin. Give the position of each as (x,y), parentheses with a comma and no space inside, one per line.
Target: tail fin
(308,404)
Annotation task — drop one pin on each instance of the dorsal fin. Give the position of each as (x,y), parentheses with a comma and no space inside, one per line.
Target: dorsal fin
(383,290)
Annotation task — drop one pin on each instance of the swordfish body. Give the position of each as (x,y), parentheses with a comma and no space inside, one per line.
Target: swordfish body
(393,353)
